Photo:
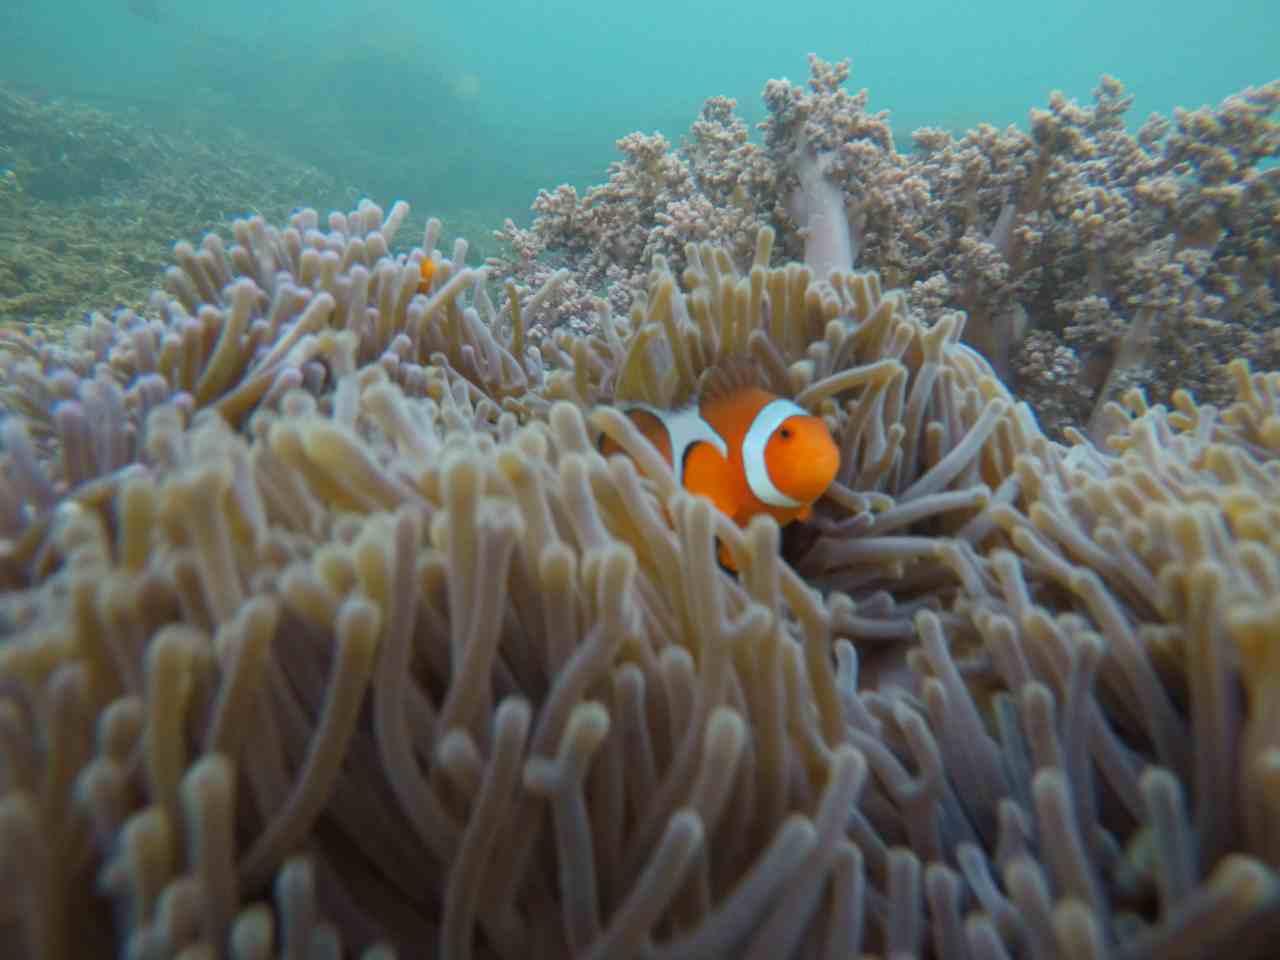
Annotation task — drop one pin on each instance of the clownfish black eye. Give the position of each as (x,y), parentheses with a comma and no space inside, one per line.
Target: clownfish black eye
(785,433)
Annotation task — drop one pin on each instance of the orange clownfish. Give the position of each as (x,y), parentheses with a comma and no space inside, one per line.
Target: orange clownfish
(746,450)
(426,270)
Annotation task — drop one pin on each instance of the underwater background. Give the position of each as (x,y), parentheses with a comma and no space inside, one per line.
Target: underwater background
(467,110)
(331,624)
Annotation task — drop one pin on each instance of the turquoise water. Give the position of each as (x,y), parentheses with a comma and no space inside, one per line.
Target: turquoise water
(475,106)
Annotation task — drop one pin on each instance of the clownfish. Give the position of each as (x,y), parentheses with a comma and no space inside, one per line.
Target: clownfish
(746,450)
(426,270)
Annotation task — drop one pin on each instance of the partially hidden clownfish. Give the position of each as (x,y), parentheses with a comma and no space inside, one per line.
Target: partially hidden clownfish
(426,270)
(745,449)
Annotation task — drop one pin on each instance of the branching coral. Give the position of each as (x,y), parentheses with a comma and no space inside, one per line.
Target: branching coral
(340,635)
(1143,259)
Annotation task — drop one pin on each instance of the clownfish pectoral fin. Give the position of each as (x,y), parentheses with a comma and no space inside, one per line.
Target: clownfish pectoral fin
(805,512)
(706,474)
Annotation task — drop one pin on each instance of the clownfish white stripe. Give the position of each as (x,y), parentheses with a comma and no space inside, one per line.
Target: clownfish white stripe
(768,420)
(743,448)
(685,428)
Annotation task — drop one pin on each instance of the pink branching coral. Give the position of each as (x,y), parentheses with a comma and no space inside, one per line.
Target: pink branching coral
(1138,259)
(654,203)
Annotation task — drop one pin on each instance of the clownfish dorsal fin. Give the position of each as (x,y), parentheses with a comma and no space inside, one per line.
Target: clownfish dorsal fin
(727,377)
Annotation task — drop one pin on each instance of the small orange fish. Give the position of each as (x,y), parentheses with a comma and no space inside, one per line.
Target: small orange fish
(746,450)
(426,269)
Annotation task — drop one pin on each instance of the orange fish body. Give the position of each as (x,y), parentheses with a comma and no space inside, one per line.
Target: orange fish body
(746,450)
(426,270)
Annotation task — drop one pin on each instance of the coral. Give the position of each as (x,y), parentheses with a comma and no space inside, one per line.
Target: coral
(327,629)
(1169,233)
(90,202)
(654,203)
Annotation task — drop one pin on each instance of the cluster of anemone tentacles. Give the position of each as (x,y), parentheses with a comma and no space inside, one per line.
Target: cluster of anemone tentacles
(327,631)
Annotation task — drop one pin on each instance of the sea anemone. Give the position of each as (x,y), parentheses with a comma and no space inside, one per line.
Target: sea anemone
(327,628)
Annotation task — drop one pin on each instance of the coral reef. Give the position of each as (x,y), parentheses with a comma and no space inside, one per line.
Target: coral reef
(1088,259)
(90,201)
(327,629)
